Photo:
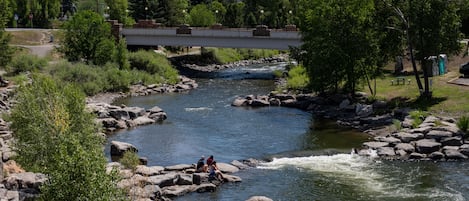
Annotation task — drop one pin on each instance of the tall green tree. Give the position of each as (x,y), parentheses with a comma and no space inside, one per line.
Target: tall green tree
(37,13)
(138,12)
(174,12)
(56,136)
(219,10)
(341,43)
(234,15)
(87,37)
(433,28)
(201,16)
(118,10)
(5,50)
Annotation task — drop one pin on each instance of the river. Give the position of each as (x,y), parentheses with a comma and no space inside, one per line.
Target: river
(310,158)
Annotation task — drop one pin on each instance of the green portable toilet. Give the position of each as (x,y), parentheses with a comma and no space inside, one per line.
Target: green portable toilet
(442,61)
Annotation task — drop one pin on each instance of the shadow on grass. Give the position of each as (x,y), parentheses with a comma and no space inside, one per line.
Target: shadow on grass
(421,103)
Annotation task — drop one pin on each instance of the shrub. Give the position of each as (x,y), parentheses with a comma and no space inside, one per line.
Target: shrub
(56,136)
(397,124)
(154,64)
(463,124)
(88,78)
(418,116)
(297,78)
(130,160)
(26,62)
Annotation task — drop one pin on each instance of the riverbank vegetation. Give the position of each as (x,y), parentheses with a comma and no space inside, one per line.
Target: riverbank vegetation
(56,136)
(229,55)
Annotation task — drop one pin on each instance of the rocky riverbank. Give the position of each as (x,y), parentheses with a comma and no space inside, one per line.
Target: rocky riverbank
(163,183)
(437,138)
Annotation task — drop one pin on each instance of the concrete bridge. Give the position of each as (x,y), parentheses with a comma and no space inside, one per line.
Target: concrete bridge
(149,33)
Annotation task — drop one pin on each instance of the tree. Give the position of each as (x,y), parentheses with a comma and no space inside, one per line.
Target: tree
(138,12)
(86,34)
(5,51)
(341,43)
(55,135)
(201,16)
(174,12)
(219,10)
(41,11)
(118,11)
(234,15)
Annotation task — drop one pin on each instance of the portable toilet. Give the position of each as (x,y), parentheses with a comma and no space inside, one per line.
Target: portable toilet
(442,63)
(432,66)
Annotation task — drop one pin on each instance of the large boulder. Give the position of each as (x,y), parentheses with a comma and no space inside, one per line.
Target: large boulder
(149,171)
(438,135)
(176,191)
(25,180)
(454,154)
(427,146)
(451,141)
(386,152)
(238,102)
(119,114)
(363,110)
(205,187)
(259,103)
(407,137)
(227,168)
(375,145)
(259,198)
(135,112)
(164,180)
(405,147)
(436,155)
(119,148)
(140,121)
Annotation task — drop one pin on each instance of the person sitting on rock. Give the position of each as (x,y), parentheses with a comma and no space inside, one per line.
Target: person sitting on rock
(201,167)
(209,160)
(214,172)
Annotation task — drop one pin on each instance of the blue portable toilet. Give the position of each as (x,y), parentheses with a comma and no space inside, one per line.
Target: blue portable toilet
(442,62)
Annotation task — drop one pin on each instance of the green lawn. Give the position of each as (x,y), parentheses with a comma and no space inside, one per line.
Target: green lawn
(447,98)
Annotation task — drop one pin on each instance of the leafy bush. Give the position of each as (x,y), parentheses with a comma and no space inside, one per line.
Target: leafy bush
(154,64)
(117,80)
(418,116)
(88,78)
(56,136)
(397,124)
(26,62)
(297,78)
(463,124)
(130,160)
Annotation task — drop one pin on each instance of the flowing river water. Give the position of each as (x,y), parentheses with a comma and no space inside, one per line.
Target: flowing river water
(309,158)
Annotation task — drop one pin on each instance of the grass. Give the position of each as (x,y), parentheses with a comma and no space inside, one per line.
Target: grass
(25,37)
(447,98)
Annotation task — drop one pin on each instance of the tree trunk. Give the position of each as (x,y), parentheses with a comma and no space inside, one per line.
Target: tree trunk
(412,58)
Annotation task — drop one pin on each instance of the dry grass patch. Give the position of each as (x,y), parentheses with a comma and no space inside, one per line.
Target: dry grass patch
(26,37)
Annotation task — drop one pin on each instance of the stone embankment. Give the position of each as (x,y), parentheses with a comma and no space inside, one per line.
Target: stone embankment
(114,117)
(163,183)
(437,138)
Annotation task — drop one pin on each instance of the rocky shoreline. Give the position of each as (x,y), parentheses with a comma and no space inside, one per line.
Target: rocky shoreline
(436,138)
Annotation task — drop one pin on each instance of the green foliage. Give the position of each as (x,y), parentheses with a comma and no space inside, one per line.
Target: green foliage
(5,51)
(297,78)
(228,55)
(26,62)
(118,10)
(122,55)
(397,124)
(463,124)
(418,117)
(88,78)
(234,15)
(130,160)
(173,12)
(154,64)
(43,12)
(87,37)
(138,12)
(116,80)
(341,43)
(201,16)
(56,136)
